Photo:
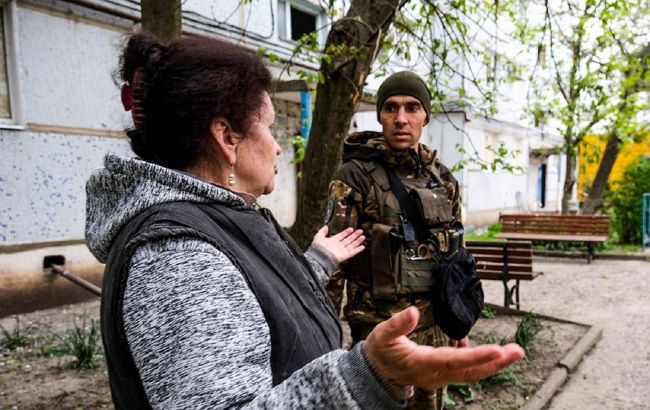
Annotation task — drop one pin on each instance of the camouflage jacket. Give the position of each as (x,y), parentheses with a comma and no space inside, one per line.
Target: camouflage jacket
(353,202)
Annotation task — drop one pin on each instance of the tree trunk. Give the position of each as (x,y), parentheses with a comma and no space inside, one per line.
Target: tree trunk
(364,27)
(569,180)
(162,18)
(597,190)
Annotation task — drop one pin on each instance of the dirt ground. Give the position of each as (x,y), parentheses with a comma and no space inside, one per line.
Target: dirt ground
(609,294)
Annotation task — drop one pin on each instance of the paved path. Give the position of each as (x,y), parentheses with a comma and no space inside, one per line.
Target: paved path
(614,295)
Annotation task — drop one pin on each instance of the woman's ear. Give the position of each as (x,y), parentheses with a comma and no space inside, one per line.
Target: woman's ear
(225,139)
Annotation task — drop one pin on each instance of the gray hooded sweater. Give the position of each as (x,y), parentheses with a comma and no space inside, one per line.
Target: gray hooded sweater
(196,331)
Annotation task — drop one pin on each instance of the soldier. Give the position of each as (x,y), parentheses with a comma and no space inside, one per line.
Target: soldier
(395,270)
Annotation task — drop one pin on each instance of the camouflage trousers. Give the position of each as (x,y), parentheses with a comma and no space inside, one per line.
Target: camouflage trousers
(432,336)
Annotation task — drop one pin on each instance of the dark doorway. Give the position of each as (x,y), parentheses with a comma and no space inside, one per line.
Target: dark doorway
(541,185)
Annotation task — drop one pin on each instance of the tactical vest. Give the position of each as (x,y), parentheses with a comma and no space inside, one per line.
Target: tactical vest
(397,263)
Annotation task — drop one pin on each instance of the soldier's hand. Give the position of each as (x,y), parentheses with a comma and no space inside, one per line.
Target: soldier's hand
(403,362)
(342,246)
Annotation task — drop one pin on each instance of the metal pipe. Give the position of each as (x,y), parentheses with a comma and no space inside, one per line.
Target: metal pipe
(58,269)
(305,117)
(645,225)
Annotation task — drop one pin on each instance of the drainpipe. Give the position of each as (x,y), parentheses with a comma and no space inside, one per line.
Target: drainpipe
(305,117)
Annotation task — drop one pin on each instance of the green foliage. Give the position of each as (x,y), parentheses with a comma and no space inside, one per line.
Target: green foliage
(83,342)
(488,339)
(588,69)
(507,376)
(487,235)
(488,313)
(465,391)
(50,351)
(13,339)
(625,202)
(300,146)
(527,331)
(501,159)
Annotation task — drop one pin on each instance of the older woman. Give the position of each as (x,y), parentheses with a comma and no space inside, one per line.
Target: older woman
(207,302)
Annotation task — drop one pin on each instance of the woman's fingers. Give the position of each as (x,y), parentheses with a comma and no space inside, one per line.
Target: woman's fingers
(399,324)
(396,358)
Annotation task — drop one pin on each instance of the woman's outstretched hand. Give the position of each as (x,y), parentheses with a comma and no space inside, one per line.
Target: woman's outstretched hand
(342,246)
(405,363)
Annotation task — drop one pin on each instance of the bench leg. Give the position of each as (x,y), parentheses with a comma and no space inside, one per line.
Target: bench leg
(517,293)
(590,253)
(509,292)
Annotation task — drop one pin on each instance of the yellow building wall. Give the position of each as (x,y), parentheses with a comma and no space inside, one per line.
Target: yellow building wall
(591,151)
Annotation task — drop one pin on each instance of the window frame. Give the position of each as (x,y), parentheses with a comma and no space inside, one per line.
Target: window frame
(285,33)
(10,23)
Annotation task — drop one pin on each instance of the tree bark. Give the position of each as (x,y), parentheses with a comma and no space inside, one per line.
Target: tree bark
(569,180)
(162,18)
(595,198)
(364,27)
(597,190)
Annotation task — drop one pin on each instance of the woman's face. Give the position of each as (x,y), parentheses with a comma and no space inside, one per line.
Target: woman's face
(257,154)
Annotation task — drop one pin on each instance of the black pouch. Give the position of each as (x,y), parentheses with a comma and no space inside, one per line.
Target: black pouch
(457,295)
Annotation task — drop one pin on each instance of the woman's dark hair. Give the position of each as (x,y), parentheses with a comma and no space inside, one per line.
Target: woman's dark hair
(182,88)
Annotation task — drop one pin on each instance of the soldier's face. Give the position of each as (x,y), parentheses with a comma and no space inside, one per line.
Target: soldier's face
(402,118)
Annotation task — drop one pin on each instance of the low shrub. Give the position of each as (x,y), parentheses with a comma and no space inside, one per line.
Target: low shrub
(625,202)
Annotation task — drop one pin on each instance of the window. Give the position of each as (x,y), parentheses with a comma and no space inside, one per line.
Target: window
(9,112)
(296,19)
(5,104)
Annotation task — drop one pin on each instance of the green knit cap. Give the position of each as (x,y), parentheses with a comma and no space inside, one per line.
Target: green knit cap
(404,83)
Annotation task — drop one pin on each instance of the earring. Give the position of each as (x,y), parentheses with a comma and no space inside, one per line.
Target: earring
(231,175)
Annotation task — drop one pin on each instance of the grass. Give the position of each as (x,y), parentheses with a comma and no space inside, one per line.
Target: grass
(82,342)
(13,339)
(527,331)
(488,234)
(488,313)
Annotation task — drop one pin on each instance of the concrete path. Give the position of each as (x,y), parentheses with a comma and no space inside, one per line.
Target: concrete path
(614,295)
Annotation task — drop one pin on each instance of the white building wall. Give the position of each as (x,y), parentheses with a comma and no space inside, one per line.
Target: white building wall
(67,67)
(66,63)
(487,191)
(42,183)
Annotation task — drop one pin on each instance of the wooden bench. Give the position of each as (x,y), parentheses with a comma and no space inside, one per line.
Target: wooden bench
(504,261)
(588,229)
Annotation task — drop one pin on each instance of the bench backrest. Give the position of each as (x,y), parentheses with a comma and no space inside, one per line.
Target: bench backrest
(491,257)
(585,225)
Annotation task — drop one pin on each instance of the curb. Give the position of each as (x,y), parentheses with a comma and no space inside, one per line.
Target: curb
(543,395)
(571,360)
(560,374)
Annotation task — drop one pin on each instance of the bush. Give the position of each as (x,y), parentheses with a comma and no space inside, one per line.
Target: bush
(625,203)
